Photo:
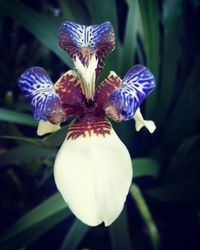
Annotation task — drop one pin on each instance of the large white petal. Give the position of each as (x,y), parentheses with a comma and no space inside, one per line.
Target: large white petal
(93,175)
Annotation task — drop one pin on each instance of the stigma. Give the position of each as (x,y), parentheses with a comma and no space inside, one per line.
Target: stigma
(87,75)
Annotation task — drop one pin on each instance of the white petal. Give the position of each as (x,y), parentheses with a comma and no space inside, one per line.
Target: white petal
(140,122)
(93,175)
(46,127)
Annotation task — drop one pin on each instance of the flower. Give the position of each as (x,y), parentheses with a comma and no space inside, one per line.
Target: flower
(93,169)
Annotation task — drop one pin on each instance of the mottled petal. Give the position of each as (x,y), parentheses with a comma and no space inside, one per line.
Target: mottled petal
(137,84)
(47,127)
(38,89)
(105,89)
(94,174)
(83,41)
(68,88)
(140,122)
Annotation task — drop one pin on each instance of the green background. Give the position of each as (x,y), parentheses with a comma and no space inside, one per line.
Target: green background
(163,207)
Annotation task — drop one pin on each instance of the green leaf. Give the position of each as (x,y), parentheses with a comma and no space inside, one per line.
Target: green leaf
(21,139)
(40,26)
(74,11)
(171,23)
(25,153)
(74,236)
(145,167)
(35,223)
(180,181)
(151,36)
(185,109)
(16,117)
(184,190)
(128,52)
(102,11)
(120,234)
(188,144)
(66,10)
(146,216)
(55,139)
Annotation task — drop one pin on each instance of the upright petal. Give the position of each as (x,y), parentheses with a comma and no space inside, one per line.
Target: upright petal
(84,41)
(68,88)
(137,84)
(105,89)
(38,89)
(140,122)
(93,172)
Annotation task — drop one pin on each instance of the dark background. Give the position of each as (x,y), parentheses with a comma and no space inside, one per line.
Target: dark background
(165,36)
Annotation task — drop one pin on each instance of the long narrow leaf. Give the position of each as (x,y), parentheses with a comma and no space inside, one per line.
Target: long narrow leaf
(102,11)
(55,139)
(146,216)
(25,153)
(119,233)
(21,139)
(129,47)
(171,23)
(179,191)
(145,167)
(74,236)
(151,35)
(74,11)
(40,26)
(16,117)
(185,109)
(35,223)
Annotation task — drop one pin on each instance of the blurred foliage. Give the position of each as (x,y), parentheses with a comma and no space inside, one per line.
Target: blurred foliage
(165,210)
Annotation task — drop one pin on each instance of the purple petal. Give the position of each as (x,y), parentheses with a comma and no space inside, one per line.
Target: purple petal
(83,41)
(137,84)
(38,89)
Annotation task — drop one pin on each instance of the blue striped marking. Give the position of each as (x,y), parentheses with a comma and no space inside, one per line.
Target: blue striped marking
(137,84)
(38,89)
(79,36)
(83,41)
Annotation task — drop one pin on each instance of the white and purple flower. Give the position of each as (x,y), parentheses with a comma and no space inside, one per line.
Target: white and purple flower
(93,168)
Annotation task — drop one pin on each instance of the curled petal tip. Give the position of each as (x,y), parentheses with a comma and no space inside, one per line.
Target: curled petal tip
(140,122)
(47,127)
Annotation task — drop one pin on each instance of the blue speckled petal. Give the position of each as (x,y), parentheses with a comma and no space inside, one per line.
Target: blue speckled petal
(137,84)
(38,89)
(83,41)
